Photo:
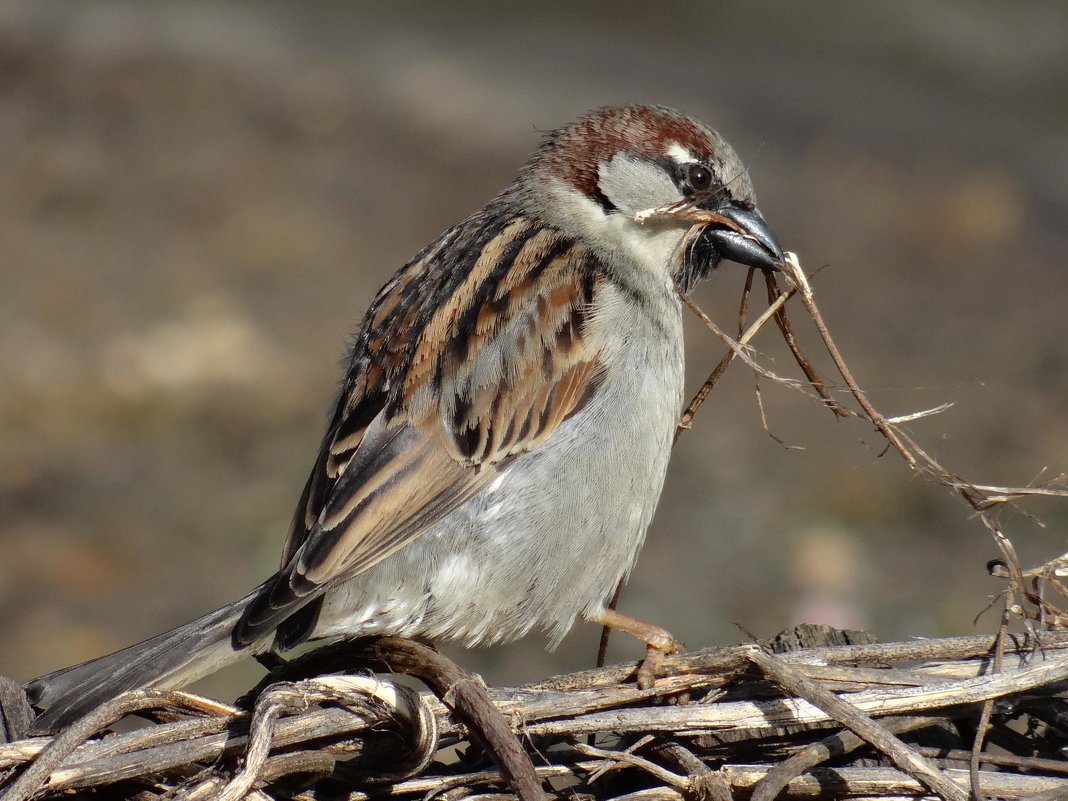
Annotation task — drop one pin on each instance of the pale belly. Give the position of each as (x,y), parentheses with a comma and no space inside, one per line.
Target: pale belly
(551,538)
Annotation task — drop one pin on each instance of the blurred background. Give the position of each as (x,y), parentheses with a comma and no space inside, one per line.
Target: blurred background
(198,200)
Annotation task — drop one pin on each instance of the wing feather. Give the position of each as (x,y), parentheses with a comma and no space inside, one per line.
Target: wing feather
(459,370)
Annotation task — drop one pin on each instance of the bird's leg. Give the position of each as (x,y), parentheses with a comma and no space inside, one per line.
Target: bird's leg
(659,642)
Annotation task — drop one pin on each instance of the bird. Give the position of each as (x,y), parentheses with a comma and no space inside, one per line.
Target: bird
(502,432)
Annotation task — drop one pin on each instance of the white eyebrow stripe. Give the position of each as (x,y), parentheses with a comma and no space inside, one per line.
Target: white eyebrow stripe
(681,154)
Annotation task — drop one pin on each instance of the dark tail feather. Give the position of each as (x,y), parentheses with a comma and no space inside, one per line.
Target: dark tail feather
(167,661)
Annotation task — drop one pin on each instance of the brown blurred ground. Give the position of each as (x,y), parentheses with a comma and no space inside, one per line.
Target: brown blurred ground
(197,201)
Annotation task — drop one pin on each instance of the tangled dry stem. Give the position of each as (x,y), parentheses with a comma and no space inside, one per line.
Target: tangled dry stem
(722,722)
(960,717)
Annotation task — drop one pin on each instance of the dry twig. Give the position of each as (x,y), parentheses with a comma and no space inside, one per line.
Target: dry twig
(698,732)
(646,738)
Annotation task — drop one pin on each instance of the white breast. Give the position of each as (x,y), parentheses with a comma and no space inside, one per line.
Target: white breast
(550,539)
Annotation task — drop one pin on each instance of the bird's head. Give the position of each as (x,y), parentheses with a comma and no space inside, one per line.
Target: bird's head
(596,175)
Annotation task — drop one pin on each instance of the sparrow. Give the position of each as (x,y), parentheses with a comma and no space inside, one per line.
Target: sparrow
(503,428)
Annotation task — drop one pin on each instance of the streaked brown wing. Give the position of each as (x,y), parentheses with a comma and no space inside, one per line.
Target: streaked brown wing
(427,422)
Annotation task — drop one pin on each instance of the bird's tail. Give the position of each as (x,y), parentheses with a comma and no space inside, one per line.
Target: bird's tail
(166,661)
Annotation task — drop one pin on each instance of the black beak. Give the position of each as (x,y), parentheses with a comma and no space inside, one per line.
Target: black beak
(749,241)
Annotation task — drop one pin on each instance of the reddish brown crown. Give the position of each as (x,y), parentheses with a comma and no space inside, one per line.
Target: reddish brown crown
(574,153)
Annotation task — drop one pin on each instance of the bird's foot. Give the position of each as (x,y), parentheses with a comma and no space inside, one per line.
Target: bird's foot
(659,642)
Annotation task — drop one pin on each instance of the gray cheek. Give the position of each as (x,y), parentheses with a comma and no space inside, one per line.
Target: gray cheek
(633,184)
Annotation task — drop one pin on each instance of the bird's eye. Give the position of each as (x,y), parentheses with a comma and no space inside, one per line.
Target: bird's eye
(699,177)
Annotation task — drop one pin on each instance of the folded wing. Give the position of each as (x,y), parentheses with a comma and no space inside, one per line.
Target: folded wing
(460,369)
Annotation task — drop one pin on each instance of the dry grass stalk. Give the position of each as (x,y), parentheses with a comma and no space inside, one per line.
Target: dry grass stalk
(715,706)
(712,727)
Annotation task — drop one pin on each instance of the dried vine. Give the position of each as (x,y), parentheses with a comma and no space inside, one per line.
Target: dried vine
(959,717)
